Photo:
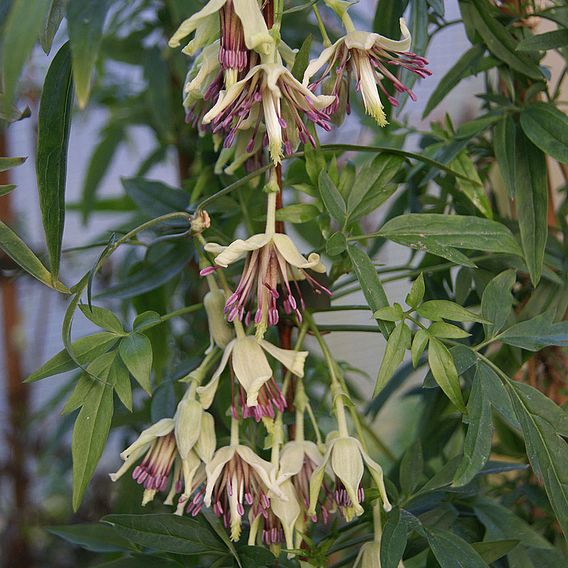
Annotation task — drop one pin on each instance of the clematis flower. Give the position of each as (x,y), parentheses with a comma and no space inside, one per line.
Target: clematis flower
(273,263)
(269,93)
(259,393)
(172,451)
(242,28)
(370,57)
(238,478)
(347,459)
(279,521)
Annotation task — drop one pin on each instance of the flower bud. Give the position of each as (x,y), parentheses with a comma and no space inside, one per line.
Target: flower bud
(221,332)
(200,222)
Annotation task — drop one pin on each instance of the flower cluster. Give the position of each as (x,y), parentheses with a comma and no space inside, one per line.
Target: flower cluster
(240,87)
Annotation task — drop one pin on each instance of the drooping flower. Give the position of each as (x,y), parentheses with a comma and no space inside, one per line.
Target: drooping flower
(258,392)
(269,93)
(369,556)
(369,57)
(237,479)
(220,331)
(274,265)
(172,450)
(241,24)
(298,461)
(279,521)
(347,460)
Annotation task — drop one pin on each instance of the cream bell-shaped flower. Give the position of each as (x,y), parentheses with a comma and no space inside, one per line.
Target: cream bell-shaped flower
(259,393)
(269,278)
(242,28)
(279,523)
(269,94)
(347,460)
(369,57)
(220,331)
(369,556)
(238,478)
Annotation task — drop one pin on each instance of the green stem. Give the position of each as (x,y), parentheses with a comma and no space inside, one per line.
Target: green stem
(325,38)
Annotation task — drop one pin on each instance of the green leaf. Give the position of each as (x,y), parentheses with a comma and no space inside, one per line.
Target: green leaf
(473,190)
(442,234)
(22,255)
(154,197)
(497,395)
(387,17)
(100,161)
(477,445)
(411,467)
(54,123)
(297,213)
(85,21)
(547,453)
(505,146)
(336,244)
(10,112)
(545,41)
(20,33)
(536,333)
(91,432)
(168,533)
(416,294)
(492,550)
(331,198)
(497,302)
(451,550)
(152,274)
(531,200)
(136,352)
(379,171)
(86,350)
(95,537)
(302,58)
(436,310)
(390,313)
(418,345)
(102,317)
(51,24)
(547,128)
(159,93)
(393,541)
(397,344)
(120,380)
(464,67)
(6,189)
(501,523)
(443,330)
(9,163)
(146,320)
(445,373)
(499,41)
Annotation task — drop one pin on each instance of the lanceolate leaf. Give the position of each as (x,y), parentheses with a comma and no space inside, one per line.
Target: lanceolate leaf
(9,163)
(393,541)
(90,433)
(16,249)
(52,22)
(331,198)
(499,41)
(477,445)
(442,234)
(497,301)
(85,20)
(536,333)
(444,372)
(54,123)
(451,550)
(545,41)
(436,310)
(370,283)
(547,128)
(86,350)
(475,192)
(136,353)
(504,143)
(397,344)
(20,33)
(168,533)
(547,452)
